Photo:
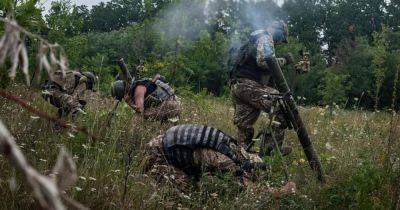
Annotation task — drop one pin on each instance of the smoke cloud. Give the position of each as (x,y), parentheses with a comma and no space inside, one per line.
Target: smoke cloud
(187,18)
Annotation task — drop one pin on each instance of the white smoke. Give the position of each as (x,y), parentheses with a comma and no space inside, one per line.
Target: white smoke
(186,19)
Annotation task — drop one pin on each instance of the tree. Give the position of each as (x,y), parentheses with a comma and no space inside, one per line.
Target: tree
(25,12)
(306,21)
(378,61)
(64,20)
(334,88)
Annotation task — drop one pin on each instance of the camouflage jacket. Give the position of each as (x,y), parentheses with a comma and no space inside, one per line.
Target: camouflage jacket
(68,83)
(250,62)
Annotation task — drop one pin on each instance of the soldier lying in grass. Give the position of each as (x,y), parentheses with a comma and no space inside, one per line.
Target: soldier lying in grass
(185,152)
(66,91)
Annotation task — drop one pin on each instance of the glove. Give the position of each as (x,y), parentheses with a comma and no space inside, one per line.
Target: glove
(302,67)
(289,58)
(83,79)
(285,60)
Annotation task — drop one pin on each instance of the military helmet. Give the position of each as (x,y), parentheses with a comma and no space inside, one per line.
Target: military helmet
(118,90)
(161,78)
(91,79)
(281,32)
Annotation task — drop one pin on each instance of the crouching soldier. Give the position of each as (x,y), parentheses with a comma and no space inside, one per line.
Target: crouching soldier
(153,98)
(185,152)
(66,91)
(189,150)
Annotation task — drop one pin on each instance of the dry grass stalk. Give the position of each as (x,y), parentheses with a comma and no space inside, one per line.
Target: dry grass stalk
(44,189)
(47,190)
(50,191)
(12,46)
(43,115)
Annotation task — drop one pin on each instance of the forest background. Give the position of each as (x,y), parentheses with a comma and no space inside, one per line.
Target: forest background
(354,44)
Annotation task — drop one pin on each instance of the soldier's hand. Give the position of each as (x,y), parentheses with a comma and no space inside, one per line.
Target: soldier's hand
(302,67)
(289,58)
(83,79)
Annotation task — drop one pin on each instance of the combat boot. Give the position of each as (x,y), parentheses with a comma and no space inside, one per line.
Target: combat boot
(284,150)
(268,145)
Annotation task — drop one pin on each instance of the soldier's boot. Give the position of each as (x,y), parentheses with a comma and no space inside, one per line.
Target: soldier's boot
(61,115)
(75,112)
(245,136)
(268,145)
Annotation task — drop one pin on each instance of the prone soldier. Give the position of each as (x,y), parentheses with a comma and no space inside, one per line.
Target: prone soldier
(186,151)
(66,91)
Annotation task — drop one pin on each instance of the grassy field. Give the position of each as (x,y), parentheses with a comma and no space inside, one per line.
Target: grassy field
(359,150)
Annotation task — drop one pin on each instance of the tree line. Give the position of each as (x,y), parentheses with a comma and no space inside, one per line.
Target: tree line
(354,44)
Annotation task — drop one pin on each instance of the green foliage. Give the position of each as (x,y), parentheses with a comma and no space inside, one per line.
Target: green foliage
(64,20)
(334,88)
(378,61)
(190,42)
(359,191)
(355,160)
(25,12)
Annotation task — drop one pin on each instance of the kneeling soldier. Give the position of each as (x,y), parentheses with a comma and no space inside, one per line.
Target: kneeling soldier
(66,91)
(154,98)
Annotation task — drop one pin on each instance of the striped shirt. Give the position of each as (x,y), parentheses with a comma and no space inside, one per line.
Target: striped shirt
(199,136)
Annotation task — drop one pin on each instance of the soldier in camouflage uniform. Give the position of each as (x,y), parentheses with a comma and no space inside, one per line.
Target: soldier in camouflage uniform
(185,151)
(304,64)
(65,91)
(153,98)
(251,80)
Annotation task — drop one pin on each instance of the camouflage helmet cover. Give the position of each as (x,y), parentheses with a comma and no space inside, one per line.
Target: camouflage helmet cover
(91,79)
(118,90)
(281,31)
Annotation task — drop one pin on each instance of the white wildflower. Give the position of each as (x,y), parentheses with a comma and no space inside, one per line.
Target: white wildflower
(78,189)
(82,177)
(86,147)
(185,196)
(173,120)
(315,132)
(214,195)
(328,146)
(331,158)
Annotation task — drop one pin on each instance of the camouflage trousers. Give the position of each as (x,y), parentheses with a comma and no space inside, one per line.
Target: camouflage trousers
(248,102)
(168,109)
(65,103)
(195,162)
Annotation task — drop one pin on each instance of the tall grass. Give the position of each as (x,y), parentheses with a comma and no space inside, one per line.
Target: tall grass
(353,146)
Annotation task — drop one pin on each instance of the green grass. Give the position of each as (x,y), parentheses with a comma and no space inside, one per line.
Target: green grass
(361,164)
